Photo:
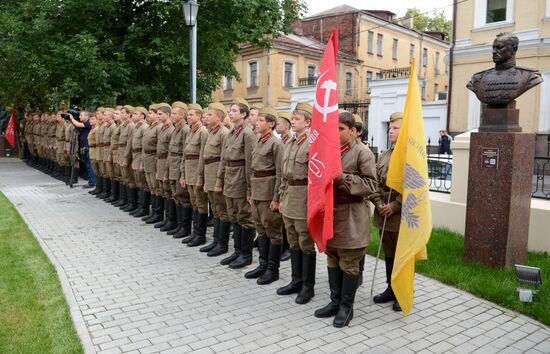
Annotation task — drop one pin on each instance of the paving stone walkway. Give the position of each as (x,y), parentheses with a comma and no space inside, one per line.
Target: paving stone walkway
(133,289)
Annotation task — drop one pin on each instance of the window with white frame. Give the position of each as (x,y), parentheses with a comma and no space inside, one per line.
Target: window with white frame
(227,83)
(425,57)
(252,74)
(288,74)
(380,44)
(378,76)
(394,49)
(370,46)
(369,78)
(349,79)
(493,12)
(423,93)
(311,71)
(436,65)
(411,53)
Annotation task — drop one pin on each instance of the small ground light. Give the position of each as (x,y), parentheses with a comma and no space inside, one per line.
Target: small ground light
(528,276)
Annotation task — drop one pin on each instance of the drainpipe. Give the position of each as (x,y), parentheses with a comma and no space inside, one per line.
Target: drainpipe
(268,78)
(451,61)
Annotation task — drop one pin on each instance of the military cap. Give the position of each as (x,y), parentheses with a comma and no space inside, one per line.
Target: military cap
(258,105)
(100,109)
(240,100)
(285,115)
(218,106)
(195,106)
(163,104)
(153,106)
(179,104)
(109,110)
(303,106)
(130,108)
(395,116)
(118,108)
(357,118)
(142,110)
(269,110)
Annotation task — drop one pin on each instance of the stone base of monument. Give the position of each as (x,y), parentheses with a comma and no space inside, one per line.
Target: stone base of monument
(499,198)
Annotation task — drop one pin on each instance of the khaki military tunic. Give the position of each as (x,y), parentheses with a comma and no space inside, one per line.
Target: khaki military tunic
(115,152)
(267,160)
(149,156)
(125,152)
(173,165)
(52,129)
(60,144)
(100,148)
(69,133)
(107,152)
(137,154)
(163,144)
(192,164)
(92,142)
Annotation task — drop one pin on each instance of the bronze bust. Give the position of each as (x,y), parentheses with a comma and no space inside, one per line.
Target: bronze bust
(502,85)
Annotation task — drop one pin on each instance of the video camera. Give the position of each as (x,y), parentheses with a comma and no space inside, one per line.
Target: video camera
(74,112)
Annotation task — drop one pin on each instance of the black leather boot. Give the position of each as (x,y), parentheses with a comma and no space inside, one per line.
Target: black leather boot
(222,240)
(98,186)
(215,233)
(123,200)
(154,201)
(195,218)
(308,278)
(164,214)
(186,219)
(179,219)
(388,294)
(158,212)
(106,189)
(133,200)
(272,272)
(247,244)
(139,202)
(295,284)
(335,285)
(171,217)
(263,250)
(285,255)
(345,310)
(145,208)
(237,234)
(200,237)
(115,192)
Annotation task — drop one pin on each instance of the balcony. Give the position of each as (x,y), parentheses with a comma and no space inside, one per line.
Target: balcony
(395,73)
(307,81)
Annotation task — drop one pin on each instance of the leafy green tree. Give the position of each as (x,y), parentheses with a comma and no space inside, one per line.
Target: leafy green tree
(434,22)
(105,52)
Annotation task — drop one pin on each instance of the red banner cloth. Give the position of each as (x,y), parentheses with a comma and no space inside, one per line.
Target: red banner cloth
(324,150)
(10,130)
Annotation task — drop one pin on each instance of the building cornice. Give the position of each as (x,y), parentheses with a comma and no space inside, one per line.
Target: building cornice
(528,39)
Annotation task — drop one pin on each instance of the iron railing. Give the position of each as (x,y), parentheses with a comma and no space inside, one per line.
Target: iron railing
(307,81)
(541,178)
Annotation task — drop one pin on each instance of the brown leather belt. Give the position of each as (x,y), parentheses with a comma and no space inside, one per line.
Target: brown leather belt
(191,157)
(114,148)
(176,154)
(102,145)
(61,140)
(162,156)
(92,145)
(212,160)
(136,150)
(121,145)
(264,173)
(150,152)
(297,182)
(235,163)
(338,199)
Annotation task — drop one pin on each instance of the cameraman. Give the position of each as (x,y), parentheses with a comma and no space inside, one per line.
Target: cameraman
(84,126)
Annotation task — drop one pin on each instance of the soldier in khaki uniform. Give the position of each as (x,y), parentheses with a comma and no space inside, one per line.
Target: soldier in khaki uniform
(169,221)
(115,159)
(92,141)
(191,178)
(351,234)
(184,209)
(389,209)
(70,133)
(149,165)
(265,180)
(294,207)
(62,160)
(144,195)
(100,144)
(283,129)
(234,181)
(109,127)
(125,144)
(52,125)
(210,161)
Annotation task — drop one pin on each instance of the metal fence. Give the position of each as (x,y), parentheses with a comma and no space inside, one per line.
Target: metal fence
(541,178)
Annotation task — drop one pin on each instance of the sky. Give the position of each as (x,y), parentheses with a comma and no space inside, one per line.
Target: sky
(397,6)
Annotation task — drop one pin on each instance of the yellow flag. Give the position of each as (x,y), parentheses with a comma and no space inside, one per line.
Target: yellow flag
(408,174)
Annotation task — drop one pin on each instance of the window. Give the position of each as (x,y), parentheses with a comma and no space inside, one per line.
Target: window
(369,77)
(370,46)
(489,12)
(425,57)
(394,49)
(348,84)
(423,94)
(289,74)
(227,83)
(378,76)
(496,11)
(436,63)
(436,90)
(311,71)
(411,53)
(253,74)
(380,43)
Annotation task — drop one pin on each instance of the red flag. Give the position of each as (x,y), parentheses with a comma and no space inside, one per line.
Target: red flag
(10,131)
(324,150)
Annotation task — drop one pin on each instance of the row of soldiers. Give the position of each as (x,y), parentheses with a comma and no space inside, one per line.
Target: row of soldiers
(167,164)
(52,141)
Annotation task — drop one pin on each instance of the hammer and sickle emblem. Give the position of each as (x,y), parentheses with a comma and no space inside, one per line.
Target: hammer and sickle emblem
(328,86)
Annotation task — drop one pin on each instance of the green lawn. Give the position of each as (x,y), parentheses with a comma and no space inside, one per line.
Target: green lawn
(34,316)
(446,264)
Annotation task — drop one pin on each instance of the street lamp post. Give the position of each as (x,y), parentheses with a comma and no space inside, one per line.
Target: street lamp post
(190,9)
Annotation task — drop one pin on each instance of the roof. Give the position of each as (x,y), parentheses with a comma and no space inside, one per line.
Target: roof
(337,10)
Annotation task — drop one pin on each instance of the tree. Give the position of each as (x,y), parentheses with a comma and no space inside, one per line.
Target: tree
(105,52)
(436,22)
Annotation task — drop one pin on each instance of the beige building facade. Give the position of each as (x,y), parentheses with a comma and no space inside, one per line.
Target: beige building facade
(477,24)
(373,45)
